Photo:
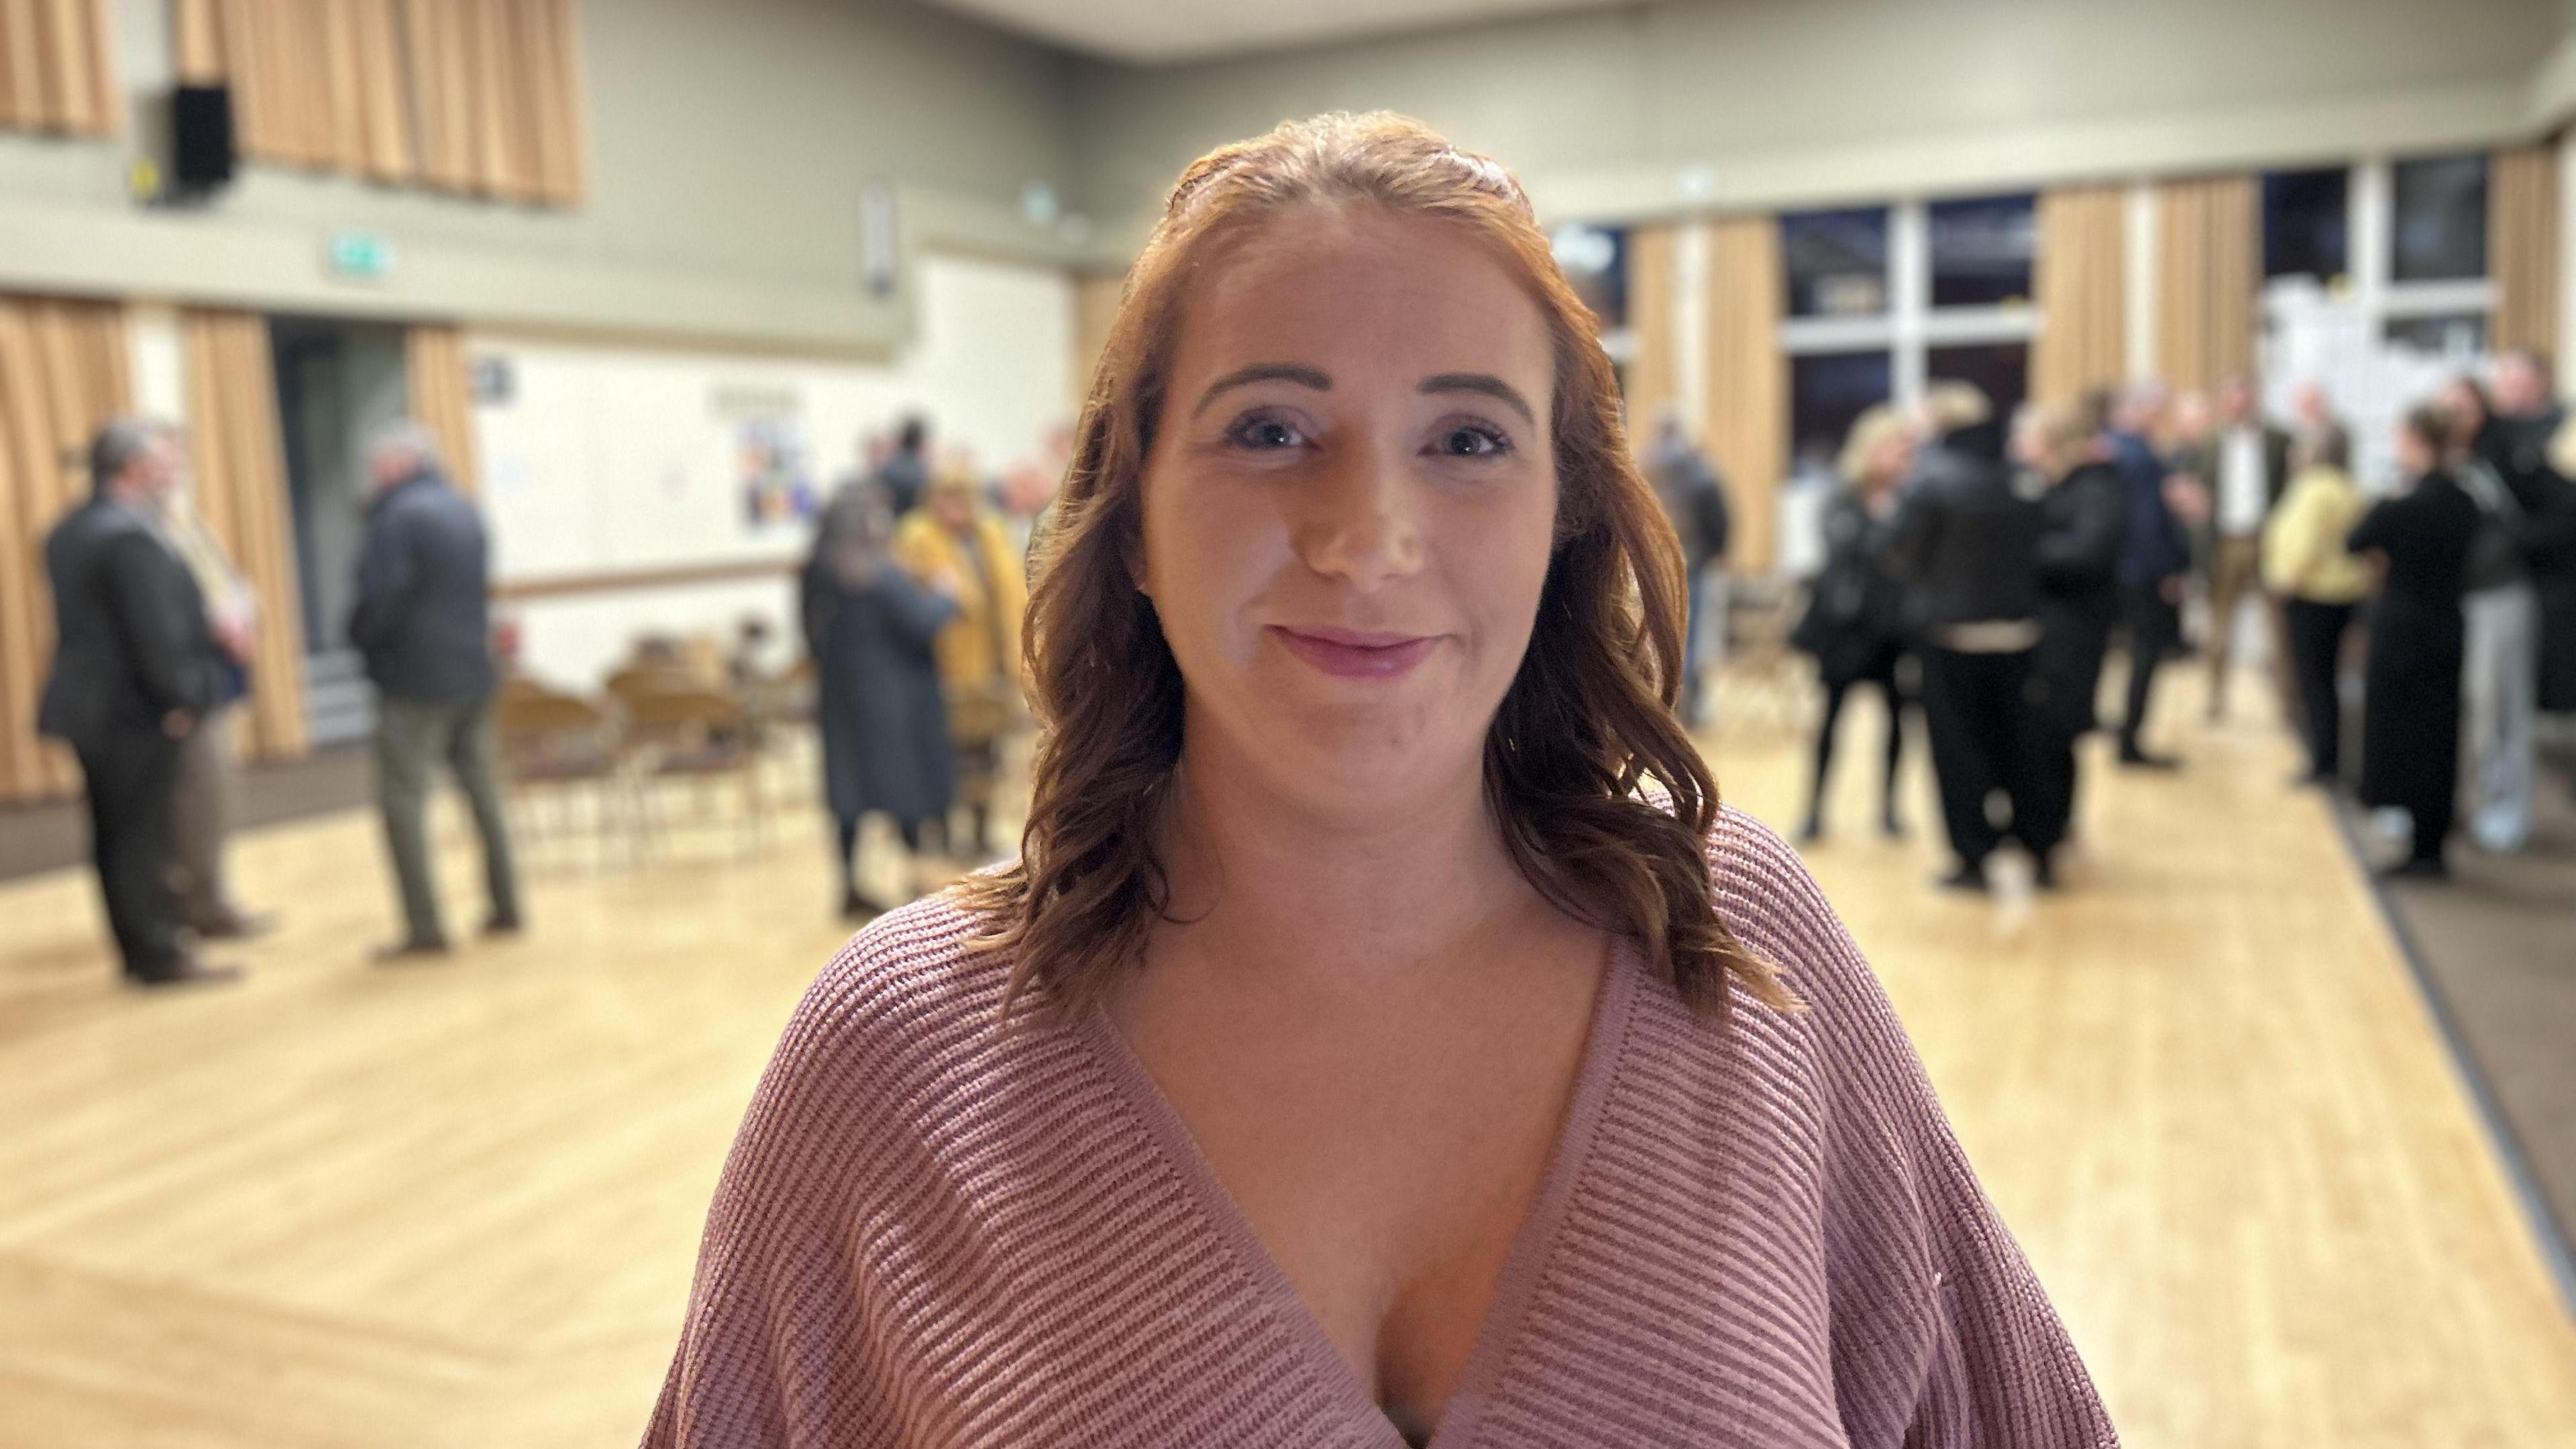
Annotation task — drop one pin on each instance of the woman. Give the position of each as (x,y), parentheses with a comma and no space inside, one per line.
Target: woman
(953,536)
(1357,1047)
(2084,517)
(869,626)
(2319,583)
(2410,722)
(1854,619)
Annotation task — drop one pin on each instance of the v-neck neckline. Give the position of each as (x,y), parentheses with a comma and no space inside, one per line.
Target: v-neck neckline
(1533,1243)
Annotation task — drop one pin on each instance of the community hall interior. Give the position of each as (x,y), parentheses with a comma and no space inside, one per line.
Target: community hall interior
(2271,1072)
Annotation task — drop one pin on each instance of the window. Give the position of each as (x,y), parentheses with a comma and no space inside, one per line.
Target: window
(2439,232)
(2000,370)
(1595,260)
(1981,250)
(2461,336)
(1836,262)
(1828,391)
(2307,224)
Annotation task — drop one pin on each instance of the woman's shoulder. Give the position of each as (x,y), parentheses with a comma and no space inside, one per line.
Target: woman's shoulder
(1772,904)
(905,997)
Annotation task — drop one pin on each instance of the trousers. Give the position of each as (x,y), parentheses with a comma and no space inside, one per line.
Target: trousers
(412,738)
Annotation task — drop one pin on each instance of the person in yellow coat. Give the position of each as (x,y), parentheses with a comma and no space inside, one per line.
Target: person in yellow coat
(955,535)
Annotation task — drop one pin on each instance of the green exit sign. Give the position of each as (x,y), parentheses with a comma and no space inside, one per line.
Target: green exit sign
(360,256)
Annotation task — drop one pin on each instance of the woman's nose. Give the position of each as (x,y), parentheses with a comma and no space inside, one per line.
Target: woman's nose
(1359,521)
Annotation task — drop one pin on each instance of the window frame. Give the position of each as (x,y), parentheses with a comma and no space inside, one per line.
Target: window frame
(1911,326)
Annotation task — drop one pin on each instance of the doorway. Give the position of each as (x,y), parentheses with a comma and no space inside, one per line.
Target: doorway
(338,384)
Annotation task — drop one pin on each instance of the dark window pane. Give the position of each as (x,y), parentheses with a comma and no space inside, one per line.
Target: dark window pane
(2462,335)
(1595,260)
(1837,262)
(1827,390)
(2001,370)
(2441,219)
(2306,222)
(1981,250)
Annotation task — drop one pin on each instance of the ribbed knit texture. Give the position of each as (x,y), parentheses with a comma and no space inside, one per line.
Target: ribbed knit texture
(936,1229)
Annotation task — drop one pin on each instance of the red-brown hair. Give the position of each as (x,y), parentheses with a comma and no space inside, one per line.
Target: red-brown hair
(1586,722)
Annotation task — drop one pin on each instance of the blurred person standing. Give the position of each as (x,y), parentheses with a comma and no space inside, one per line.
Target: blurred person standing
(135,671)
(2501,670)
(1855,619)
(2529,421)
(2319,584)
(2154,555)
(2247,464)
(2082,518)
(423,621)
(1966,544)
(209,774)
(2410,725)
(1694,498)
(870,627)
(955,537)
(905,472)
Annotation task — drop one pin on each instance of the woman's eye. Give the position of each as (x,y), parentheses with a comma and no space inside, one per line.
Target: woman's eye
(1473,442)
(1265,434)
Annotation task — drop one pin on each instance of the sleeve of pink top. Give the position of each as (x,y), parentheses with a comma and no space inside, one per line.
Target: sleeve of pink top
(2000,1372)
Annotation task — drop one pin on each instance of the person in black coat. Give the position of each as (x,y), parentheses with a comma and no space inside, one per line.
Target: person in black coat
(1966,546)
(2525,450)
(870,626)
(2083,520)
(135,670)
(2155,554)
(1694,498)
(1854,624)
(423,621)
(2410,738)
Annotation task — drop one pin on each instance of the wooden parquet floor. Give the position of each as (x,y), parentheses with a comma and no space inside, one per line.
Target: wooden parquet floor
(347,1205)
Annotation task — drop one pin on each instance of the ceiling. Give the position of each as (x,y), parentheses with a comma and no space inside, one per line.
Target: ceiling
(1150,32)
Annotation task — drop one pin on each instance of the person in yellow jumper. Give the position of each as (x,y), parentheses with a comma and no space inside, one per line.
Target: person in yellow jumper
(2319,583)
(953,534)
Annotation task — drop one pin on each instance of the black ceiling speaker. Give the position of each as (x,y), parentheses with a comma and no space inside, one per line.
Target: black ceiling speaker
(201,137)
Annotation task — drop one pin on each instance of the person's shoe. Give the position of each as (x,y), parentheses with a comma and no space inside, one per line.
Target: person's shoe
(1812,831)
(233,925)
(502,925)
(1890,824)
(1968,877)
(410,953)
(2138,759)
(185,971)
(2416,867)
(857,906)
(2043,874)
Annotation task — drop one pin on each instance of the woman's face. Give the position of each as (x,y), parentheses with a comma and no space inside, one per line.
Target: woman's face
(1350,504)
(2414,457)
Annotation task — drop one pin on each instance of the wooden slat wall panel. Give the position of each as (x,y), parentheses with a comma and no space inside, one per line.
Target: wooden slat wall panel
(441,397)
(1748,379)
(63,371)
(1095,310)
(482,97)
(58,67)
(2522,246)
(237,449)
(2081,290)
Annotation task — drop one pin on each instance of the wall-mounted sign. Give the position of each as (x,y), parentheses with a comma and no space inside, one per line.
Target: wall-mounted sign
(359,256)
(493,381)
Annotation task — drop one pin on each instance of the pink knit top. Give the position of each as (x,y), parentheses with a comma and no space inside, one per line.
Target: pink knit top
(937,1229)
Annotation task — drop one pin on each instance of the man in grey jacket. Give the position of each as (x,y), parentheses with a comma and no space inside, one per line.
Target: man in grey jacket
(423,621)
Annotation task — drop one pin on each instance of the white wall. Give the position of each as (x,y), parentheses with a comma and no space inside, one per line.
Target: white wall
(610,458)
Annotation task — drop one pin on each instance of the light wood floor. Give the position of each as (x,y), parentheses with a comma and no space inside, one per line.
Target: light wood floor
(458,1205)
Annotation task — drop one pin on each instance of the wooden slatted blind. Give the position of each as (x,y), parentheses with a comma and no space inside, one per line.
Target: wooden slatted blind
(58,67)
(480,97)
(2208,268)
(2082,291)
(441,398)
(63,372)
(2522,244)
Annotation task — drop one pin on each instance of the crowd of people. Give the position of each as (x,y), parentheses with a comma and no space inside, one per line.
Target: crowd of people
(2003,562)
(911,602)
(155,648)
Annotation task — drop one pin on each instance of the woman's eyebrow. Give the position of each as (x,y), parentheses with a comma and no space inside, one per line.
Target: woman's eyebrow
(1480,382)
(1264,372)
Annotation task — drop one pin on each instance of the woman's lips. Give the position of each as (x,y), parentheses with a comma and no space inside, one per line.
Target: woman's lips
(1356,653)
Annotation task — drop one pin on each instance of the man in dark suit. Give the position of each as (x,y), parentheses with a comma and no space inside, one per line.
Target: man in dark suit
(2154,555)
(135,670)
(423,620)
(2243,469)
